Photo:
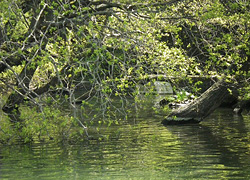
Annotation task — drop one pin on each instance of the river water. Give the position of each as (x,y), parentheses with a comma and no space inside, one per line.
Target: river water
(140,148)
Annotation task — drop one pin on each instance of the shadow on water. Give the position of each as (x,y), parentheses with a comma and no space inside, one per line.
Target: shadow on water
(223,136)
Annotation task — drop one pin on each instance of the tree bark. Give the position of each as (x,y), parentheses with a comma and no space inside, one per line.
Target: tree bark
(197,110)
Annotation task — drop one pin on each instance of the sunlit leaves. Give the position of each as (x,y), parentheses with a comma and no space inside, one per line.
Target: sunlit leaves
(117,46)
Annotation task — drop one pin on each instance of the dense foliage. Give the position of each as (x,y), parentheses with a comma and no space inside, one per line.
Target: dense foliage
(50,49)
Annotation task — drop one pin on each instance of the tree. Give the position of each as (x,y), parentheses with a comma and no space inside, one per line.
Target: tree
(221,39)
(51,48)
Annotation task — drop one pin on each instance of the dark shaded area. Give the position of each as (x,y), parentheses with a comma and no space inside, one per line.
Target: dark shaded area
(240,106)
(221,134)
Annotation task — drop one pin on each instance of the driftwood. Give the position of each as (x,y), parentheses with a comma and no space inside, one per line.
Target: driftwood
(197,110)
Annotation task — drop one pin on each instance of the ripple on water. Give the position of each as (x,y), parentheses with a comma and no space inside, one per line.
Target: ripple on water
(218,148)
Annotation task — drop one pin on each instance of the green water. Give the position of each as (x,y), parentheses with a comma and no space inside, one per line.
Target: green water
(141,148)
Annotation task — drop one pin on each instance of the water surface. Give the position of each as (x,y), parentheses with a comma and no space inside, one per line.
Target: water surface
(140,148)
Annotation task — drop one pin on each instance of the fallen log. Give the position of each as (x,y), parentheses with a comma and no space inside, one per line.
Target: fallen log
(197,110)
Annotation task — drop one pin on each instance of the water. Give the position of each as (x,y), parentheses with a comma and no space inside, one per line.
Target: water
(141,148)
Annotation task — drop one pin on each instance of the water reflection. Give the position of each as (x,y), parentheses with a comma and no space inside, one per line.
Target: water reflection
(223,138)
(140,149)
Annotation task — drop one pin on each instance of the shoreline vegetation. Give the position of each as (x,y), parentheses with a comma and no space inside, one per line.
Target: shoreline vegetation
(51,50)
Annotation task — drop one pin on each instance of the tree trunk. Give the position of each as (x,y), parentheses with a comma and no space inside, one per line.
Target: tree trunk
(197,110)
(17,97)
